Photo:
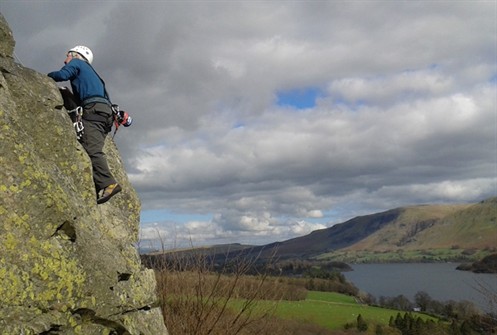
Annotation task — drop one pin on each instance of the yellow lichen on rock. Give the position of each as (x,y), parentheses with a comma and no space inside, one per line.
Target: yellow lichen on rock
(67,265)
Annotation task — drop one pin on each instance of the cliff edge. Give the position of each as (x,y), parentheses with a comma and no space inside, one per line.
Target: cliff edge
(67,265)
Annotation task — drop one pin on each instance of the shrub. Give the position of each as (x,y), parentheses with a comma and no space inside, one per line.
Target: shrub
(199,297)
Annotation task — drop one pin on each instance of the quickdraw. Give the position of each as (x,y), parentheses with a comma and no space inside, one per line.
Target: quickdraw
(120,118)
(78,121)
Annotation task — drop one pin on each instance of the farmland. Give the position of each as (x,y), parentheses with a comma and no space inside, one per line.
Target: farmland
(203,302)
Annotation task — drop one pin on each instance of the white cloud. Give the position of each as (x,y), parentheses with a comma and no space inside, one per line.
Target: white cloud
(452,191)
(407,112)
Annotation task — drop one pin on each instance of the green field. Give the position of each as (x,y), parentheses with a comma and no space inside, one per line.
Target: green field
(332,310)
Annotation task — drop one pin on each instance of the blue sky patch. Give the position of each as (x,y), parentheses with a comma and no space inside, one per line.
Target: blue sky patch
(493,79)
(299,98)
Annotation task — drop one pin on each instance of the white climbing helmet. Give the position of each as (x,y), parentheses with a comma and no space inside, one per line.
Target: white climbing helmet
(83,51)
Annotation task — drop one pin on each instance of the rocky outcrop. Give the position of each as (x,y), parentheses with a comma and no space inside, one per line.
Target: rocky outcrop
(67,265)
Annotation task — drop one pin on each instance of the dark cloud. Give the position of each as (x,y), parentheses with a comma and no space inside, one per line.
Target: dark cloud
(406,111)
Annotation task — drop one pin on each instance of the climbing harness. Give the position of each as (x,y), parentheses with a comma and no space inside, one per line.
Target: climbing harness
(76,112)
(78,121)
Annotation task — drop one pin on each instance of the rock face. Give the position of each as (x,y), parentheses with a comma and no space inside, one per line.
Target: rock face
(67,265)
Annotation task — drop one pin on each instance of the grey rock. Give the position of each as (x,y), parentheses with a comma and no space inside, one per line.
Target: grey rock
(67,265)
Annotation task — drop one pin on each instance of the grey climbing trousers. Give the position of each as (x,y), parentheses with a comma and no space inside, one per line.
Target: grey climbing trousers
(97,121)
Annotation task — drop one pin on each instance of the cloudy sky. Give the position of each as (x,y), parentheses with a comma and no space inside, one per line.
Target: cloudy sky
(259,121)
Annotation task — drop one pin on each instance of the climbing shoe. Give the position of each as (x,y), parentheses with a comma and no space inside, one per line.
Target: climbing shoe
(109,192)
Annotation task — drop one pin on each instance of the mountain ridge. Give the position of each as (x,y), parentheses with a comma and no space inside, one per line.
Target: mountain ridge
(421,228)
(427,232)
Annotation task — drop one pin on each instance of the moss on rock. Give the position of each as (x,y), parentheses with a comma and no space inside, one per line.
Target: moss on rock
(67,265)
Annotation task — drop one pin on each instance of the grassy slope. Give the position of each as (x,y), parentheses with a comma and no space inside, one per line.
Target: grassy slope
(473,227)
(430,232)
(401,232)
(333,310)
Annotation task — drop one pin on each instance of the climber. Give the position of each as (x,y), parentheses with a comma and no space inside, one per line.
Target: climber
(90,93)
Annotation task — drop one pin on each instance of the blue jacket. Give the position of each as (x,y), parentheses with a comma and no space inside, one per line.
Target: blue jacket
(85,82)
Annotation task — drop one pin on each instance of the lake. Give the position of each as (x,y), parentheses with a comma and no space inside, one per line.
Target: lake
(440,280)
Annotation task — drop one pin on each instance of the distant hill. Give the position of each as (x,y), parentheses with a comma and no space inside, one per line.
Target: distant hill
(413,233)
(415,228)
(463,229)
(471,227)
(336,237)
(220,249)
(460,228)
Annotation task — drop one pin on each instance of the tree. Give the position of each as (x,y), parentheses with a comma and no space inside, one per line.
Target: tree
(454,328)
(400,323)
(391,322)
(361,324)
(402,303)
(466,309)
(466,328)
(423,300)
(379,330)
